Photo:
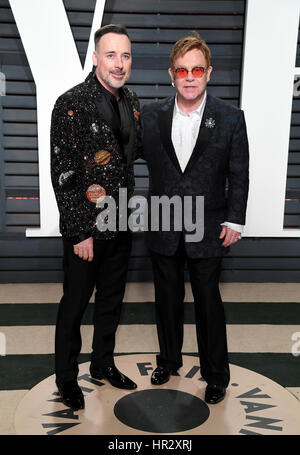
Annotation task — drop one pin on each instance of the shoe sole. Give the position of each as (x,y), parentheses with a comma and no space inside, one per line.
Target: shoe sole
(74,408)
(216,401)
(114,385)
(161,382)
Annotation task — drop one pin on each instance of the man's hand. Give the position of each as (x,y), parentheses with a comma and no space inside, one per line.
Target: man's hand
(230,235)
(85,249)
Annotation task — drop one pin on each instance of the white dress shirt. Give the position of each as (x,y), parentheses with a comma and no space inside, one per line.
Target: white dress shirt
(185,130)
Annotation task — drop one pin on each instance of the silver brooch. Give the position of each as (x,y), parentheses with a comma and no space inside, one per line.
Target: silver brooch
(210,122)
(94,128)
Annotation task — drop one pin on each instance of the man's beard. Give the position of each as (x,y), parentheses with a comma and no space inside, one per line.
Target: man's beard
(107,78)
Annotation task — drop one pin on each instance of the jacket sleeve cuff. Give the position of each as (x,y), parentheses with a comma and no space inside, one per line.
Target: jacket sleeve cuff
(79,238)
(236,227)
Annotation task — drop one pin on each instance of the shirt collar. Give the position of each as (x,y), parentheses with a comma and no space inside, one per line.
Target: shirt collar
(198,111)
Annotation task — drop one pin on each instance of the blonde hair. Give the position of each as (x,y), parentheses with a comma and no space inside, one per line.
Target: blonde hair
(186,44)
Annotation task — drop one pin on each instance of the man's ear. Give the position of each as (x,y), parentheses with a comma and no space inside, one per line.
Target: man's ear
(171,74)
(209,70)
(94,58)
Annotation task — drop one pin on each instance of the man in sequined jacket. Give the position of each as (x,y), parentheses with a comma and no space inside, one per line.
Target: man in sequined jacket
(93,142)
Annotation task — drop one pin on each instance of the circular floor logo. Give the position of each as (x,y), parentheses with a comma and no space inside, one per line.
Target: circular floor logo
(253,404)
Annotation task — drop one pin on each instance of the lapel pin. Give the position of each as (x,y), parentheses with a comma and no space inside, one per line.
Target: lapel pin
(210,122)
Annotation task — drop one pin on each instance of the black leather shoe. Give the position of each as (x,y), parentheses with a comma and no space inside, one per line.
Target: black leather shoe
(214,393)
(71,394)
(161,375)
(114,376)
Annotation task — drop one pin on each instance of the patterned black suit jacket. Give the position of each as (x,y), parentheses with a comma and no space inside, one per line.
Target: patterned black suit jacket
(78,131)
(220,156)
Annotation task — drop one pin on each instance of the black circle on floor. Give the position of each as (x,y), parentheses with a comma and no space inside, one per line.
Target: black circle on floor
(161,411)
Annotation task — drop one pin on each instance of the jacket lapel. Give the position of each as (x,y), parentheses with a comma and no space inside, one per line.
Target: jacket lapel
(105,113)
(205,132)
(103,109)
(130,147)
(165,117)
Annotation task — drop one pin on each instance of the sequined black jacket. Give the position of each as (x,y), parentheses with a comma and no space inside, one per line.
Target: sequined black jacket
(78,132)
(220,155)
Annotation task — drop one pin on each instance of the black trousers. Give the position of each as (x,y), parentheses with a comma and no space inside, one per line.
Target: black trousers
(107,272)
(204,273)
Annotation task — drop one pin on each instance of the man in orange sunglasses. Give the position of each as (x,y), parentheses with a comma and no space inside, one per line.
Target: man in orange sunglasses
(193,144)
